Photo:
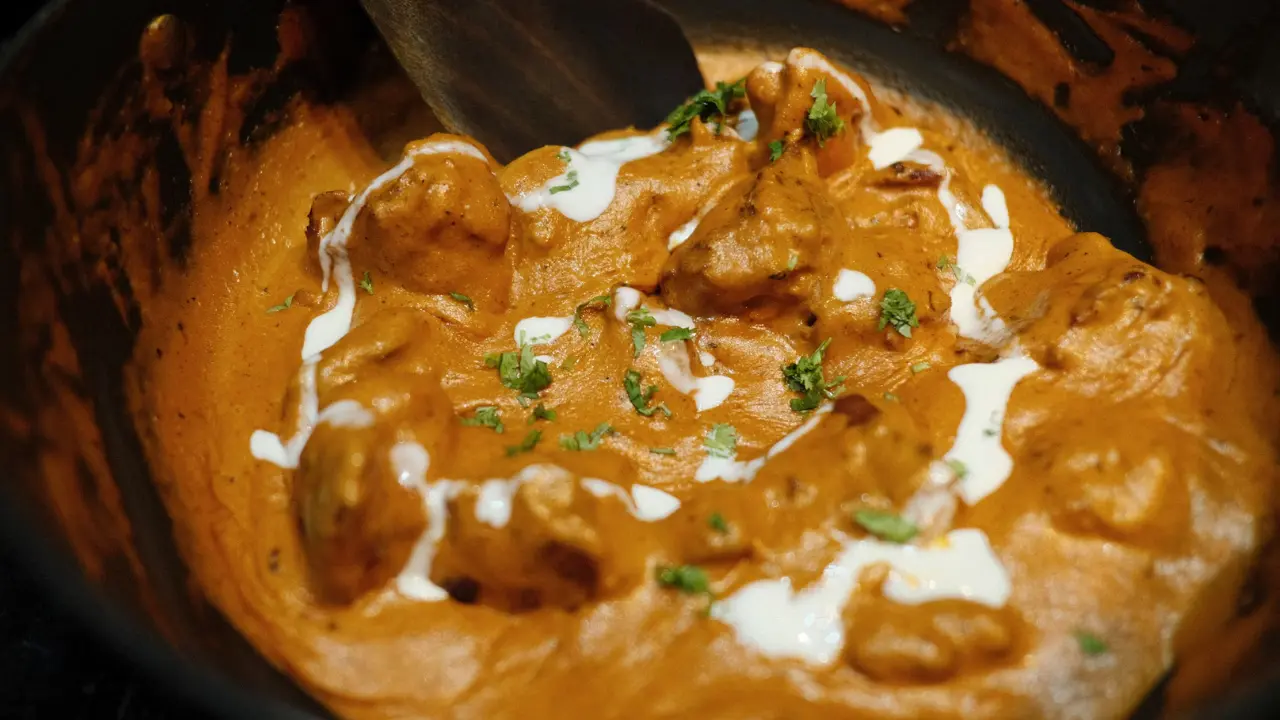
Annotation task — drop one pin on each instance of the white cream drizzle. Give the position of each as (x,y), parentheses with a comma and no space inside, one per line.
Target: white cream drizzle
(647,504)
(541,330)
(771,617)
(708,392)
(333,325)
(595,167)
(681,234)
(348,414)
(994,203)
(893,145)
(732,470)
(932,506)
(748,125)
(672,318)
(982,254)
(987,388)
(268,447)
(851,285)
(706,359)
(494,500)
(410,462)
(766,614)
(685,231)
(626,299)
(330,327)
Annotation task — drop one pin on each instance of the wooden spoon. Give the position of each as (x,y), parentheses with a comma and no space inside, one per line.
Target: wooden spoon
(520,74)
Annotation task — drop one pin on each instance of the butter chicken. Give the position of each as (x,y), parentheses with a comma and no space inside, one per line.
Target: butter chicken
(801,404)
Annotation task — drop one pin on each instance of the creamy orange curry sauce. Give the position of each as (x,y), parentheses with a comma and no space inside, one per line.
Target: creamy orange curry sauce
(803,404)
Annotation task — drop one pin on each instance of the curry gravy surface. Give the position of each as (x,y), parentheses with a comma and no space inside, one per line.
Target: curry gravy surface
(1073,439)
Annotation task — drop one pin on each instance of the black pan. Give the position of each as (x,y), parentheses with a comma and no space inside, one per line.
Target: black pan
(70,78)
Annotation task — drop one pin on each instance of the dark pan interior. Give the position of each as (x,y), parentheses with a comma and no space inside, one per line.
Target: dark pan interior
(50,99)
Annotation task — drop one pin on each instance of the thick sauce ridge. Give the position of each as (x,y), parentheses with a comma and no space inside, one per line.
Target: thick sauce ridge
(1029,470)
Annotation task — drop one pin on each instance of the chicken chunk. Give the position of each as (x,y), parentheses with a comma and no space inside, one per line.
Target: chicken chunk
(430,228)
(757,245)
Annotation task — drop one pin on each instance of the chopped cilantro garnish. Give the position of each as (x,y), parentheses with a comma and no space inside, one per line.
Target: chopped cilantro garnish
(571,182)
(525,445)
(722,441)
(1090,644)
(640,318)
(288,303)
(793,259)
(805,376)
(960,469)
(920,367)
(564,154)
(890,397)
(822,122)
(688,579)
(640,398)
(675,334)
(663,451)
(586,441)
(775,150)
(569,363)
(463,299)
(486,416)
(887,526)
(990,432)
(520,371)
(946,263)
(366,283)
(706,105)
(542,412)
(898,311)
(717,522)
(603,301)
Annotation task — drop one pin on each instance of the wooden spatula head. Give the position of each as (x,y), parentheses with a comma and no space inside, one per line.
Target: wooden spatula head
(519,74)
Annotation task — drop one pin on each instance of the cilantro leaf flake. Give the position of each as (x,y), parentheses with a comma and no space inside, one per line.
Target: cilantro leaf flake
(805,376)
(639,319)
(464,300)
(584,330)
(898,311)
(706,104)
(530,440)
(570,182)
(888,526)
(520,370)
(822,122)
(1090,644)
(486,416)
(288,303)
(721,441)
(542,412)
(688,579)
(717,522)
(583,441)
(676,334)
(640,398)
